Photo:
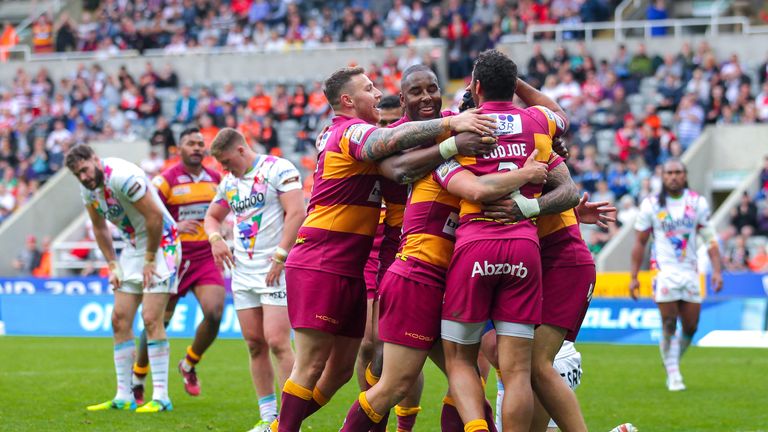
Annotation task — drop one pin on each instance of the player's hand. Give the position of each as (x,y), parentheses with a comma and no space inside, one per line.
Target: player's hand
(472,121)
(504,210)
(471,144)
(558,145)
(115,275)
(595,213)
(535,170)
(273,277)
(189,226)
(222,256)
(149,274)
(717,281)
(634,288)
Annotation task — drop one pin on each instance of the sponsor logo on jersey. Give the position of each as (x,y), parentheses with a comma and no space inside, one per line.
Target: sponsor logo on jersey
(181,190)
(113,211)
(507,124)
(133,189)
(183,178)
(251,201)
(490,269)
(326,318)
(446,168)
(322,141)
(356,132)
(451,224)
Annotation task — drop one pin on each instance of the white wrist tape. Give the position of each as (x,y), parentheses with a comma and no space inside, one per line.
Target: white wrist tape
(529,206)
(116,270)
(708,234)
(448,148)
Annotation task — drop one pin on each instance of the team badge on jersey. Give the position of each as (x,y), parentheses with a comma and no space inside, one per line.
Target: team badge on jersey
(507,124)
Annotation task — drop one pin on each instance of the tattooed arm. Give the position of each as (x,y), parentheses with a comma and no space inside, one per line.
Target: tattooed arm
(384,142)
(563,196)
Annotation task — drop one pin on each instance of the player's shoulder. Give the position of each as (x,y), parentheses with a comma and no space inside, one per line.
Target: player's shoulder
(119,170)
(214,175)
(356,130)
(544,115)
(169,175)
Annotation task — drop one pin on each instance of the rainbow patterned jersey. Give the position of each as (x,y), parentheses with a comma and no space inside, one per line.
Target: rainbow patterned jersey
(674,229)
(254,199)
(124,184)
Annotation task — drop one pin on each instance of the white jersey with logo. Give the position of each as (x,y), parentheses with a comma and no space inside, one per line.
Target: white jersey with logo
(259,216)
(674,229)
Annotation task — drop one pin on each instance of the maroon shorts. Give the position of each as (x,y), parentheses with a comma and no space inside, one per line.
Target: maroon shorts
(325,301)
(567,292)
(494,279)
(409,312)
(370,274)
(197,272)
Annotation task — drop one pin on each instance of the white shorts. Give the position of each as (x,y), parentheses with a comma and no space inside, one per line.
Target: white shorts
(166,267)
(671,286)
(569,368)
(251,291)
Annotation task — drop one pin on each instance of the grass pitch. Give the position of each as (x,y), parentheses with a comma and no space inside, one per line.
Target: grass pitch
(45,384)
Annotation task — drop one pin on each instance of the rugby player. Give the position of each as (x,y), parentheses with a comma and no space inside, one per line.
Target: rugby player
(119,191)
(675,217)
(264,193)
(495,272)
(325,270)
(187,190)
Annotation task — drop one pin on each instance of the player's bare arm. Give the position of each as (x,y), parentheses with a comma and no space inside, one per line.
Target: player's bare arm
(713,250)
(468,186)
(153,218)
(295,212)
(412,165)
(104,240)
(212,225)
(531,97)
(563,196)
(638,251)
(384,142)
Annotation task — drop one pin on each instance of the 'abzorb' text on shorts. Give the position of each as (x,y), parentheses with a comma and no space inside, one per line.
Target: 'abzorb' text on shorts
(671,286)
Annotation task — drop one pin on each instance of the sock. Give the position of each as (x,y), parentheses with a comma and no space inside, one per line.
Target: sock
(360,417)
(669,360)
(672,362)
(450,420)
(499,399)
(406,417)
(382,425)
(268,407)
(123,354)
(139,374)
(295,400)
(159,351)
(317,401)
(191,360)
(370,378)
(685,342)
(477,425)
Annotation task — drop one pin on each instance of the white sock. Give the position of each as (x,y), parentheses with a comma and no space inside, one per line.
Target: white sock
(499,400)
(138,380)
(268,407)
(186,365)
(124,353)
(672,359)
(159,351)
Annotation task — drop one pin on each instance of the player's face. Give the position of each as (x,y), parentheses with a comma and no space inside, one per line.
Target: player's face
(674,176)
(234,161)
(365,98)
(89,173)
(421,96)
(192,149)
(387,116)
(472,88)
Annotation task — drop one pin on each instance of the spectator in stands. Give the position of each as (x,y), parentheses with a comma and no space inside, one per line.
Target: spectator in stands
(269,138)
(8,39)
(162,137)
(764,179)
(689,119)
(745,214)
(627,211)
(260,103)
(640,66)
(657,11)
(59,134)
(28,259)
(762,220)
(186,107)
(736,257)
(282,103)
(603,193)
(42,35)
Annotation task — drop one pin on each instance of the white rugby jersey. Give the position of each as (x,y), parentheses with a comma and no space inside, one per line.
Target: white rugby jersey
(259,216)
(124,184)
(674,229)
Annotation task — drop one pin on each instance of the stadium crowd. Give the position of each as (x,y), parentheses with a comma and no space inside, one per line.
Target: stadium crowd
(629,112)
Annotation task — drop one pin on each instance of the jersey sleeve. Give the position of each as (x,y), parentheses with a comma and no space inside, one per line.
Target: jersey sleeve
(554,161)
(285,176)
(130,182)
(163,188)
(356,135)
(446,170)
(221,197)
(556,124)
(644,220)
(702,213)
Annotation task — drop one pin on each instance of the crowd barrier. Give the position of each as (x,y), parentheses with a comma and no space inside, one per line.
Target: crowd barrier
(82,307)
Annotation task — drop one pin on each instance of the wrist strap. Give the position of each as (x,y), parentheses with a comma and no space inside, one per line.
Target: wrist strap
(448,148)
(214,238)
(529,206)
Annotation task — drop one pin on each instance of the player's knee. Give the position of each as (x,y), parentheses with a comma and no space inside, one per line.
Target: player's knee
(278,347)
(256,347)
(669,323)
(151,321)
(690,330)
(119,322)
(212,315)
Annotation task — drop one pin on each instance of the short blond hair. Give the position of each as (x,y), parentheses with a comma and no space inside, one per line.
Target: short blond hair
(225,140)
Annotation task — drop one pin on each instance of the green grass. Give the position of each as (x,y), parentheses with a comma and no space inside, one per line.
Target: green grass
(46,383)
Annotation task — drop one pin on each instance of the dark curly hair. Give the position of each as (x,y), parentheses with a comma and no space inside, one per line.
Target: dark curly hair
(497,74)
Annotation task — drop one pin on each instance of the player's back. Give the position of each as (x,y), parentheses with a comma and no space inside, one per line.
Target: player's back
(187,197)
(519,131)
(344,208)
